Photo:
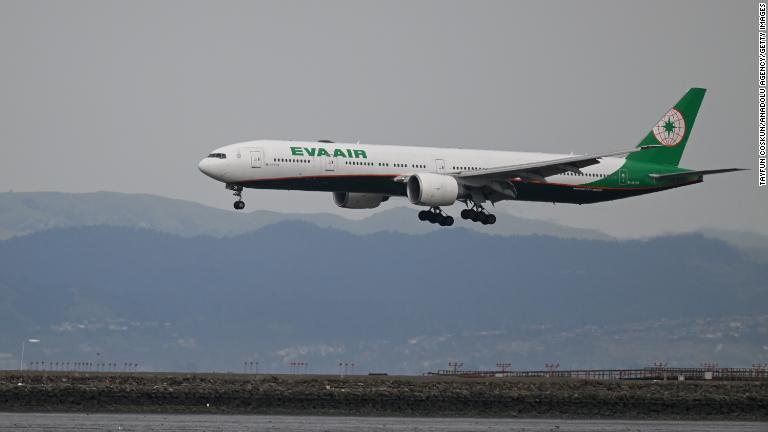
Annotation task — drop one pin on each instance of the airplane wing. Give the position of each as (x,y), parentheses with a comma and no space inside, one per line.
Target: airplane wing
(672,176)
(540,170)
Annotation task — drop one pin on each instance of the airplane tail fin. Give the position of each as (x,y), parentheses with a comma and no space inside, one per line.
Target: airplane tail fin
(668,137)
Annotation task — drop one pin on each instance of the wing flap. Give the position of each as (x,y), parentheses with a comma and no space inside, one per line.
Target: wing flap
(548,167)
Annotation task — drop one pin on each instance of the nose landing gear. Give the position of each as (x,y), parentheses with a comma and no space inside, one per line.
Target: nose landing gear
(238,192)
(478,214)
(436,215)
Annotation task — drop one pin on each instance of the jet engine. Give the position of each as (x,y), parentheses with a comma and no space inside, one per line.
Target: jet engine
(352,200)
(432,190)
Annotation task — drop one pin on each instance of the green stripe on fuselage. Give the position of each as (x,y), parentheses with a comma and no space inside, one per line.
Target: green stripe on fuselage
(634,174)
(632,179)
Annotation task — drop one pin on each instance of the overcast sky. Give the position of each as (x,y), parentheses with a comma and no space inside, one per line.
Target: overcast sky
(128,96)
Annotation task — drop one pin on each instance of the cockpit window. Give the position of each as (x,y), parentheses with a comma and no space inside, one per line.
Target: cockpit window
(217,155)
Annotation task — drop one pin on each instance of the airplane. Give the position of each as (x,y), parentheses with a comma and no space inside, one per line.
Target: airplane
(362,176)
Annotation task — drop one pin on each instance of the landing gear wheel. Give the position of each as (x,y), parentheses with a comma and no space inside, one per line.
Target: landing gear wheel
(478,214)
(238,193)
(436,216)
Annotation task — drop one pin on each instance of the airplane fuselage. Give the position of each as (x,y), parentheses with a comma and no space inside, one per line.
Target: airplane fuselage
(363,175)
(373,169)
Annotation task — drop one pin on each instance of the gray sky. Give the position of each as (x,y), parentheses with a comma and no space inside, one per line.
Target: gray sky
(128,96)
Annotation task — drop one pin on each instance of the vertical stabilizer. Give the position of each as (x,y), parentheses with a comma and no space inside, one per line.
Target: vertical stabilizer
(671,132)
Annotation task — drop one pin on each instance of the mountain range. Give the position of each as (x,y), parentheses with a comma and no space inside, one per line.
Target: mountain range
(26,212)
(179,292)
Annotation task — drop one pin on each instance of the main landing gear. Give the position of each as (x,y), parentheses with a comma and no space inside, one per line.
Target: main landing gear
(478,214)
(436,215)
(238,192)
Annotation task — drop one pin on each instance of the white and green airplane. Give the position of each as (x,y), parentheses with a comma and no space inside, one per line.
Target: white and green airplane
(362,176)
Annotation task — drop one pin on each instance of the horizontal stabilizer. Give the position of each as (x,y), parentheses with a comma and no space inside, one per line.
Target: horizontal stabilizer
(694,173)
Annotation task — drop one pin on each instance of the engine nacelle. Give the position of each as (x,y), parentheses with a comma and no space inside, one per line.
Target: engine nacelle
(432,190)
(352,200)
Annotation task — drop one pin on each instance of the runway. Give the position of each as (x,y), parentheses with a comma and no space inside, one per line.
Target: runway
(33,422)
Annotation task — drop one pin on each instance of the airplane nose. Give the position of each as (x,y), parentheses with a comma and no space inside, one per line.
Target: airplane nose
(205,166)
(214,166)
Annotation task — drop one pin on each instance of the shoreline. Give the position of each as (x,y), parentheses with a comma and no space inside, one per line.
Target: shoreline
(382,396)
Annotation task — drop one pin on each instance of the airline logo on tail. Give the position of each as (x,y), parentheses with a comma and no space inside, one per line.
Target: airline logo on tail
(670,130)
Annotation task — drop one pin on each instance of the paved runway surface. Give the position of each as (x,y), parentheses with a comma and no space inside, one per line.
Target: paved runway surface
(201,422)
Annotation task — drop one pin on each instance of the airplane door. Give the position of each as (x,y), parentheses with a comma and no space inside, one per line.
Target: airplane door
(330,164)
(256,156)
(440,165)
(623,176)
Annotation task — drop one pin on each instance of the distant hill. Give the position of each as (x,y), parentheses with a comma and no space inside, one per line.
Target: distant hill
(389,301)
(753,244)
(28,212)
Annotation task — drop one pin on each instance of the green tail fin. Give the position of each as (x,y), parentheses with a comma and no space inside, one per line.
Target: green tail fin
(671,132)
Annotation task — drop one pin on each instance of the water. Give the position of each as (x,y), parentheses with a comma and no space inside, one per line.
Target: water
(171,422)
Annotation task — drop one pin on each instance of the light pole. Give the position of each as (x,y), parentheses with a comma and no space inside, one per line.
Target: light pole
(21,363)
